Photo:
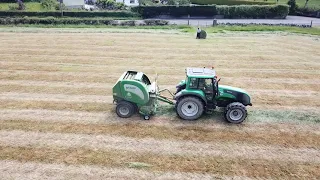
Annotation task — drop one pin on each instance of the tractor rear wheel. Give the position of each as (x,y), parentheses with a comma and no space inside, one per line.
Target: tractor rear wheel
(189,108)
(235,113)
(125,109)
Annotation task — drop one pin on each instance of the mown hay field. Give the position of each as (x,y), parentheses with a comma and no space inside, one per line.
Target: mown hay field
(57,119)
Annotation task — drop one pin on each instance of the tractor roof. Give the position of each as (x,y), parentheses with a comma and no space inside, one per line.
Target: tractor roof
(200,72)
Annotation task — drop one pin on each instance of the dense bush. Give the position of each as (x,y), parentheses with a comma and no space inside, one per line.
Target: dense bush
(178,2)
(241,11)
(119,6)
(14,1)
(146,3)
(231,2)
(119,14)
(56,21)
(110,5)
(176,11)
(105,4)
(77,21)
(309,12)
(254,11)
(292,6)
(61,6)
(49,4)
(13,7)
(18,6)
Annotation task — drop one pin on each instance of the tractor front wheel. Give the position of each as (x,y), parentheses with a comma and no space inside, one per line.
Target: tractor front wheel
(189,108)
(235,113)
(125,109)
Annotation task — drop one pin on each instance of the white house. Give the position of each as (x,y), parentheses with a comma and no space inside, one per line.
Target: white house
(73,3)
(129,2)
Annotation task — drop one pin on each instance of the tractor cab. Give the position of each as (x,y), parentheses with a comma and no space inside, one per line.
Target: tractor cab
(201,82)
(203,79)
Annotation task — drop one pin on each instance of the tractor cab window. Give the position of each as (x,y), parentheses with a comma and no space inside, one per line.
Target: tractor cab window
(208,82)
(205,84)
(193,83)
(201,83)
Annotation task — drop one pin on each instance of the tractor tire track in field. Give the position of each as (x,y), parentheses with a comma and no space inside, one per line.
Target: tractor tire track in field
(309,85)
(57,118)
(108,99)
(105,89)
(101,118)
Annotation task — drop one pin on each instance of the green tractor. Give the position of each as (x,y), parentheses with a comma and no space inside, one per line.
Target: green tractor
(199,93)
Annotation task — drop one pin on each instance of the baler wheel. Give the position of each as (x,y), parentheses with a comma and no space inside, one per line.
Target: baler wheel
(125,109)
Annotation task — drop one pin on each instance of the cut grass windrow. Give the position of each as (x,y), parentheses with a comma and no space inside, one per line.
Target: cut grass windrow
(237,134)
(289,121)
(163,78)
(71,106)
(193,164)
(76,67)
(164,146)
(12,169)
(252,59)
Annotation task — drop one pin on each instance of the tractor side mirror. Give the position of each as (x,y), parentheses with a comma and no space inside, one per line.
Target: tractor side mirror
(217,86)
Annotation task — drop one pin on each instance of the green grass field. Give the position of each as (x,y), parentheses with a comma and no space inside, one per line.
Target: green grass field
(188,29)
(311,3)
(32,6)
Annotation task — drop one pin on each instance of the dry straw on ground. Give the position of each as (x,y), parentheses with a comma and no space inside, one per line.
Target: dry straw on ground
(57,117)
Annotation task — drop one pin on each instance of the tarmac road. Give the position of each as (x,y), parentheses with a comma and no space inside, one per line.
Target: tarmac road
(202,21)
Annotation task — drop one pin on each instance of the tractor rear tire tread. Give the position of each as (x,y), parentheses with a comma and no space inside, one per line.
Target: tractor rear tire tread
(235,105)
(186,99)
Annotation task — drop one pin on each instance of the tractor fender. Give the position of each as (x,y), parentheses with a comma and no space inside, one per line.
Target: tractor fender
(233,96)
(240,97)
(180,95)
